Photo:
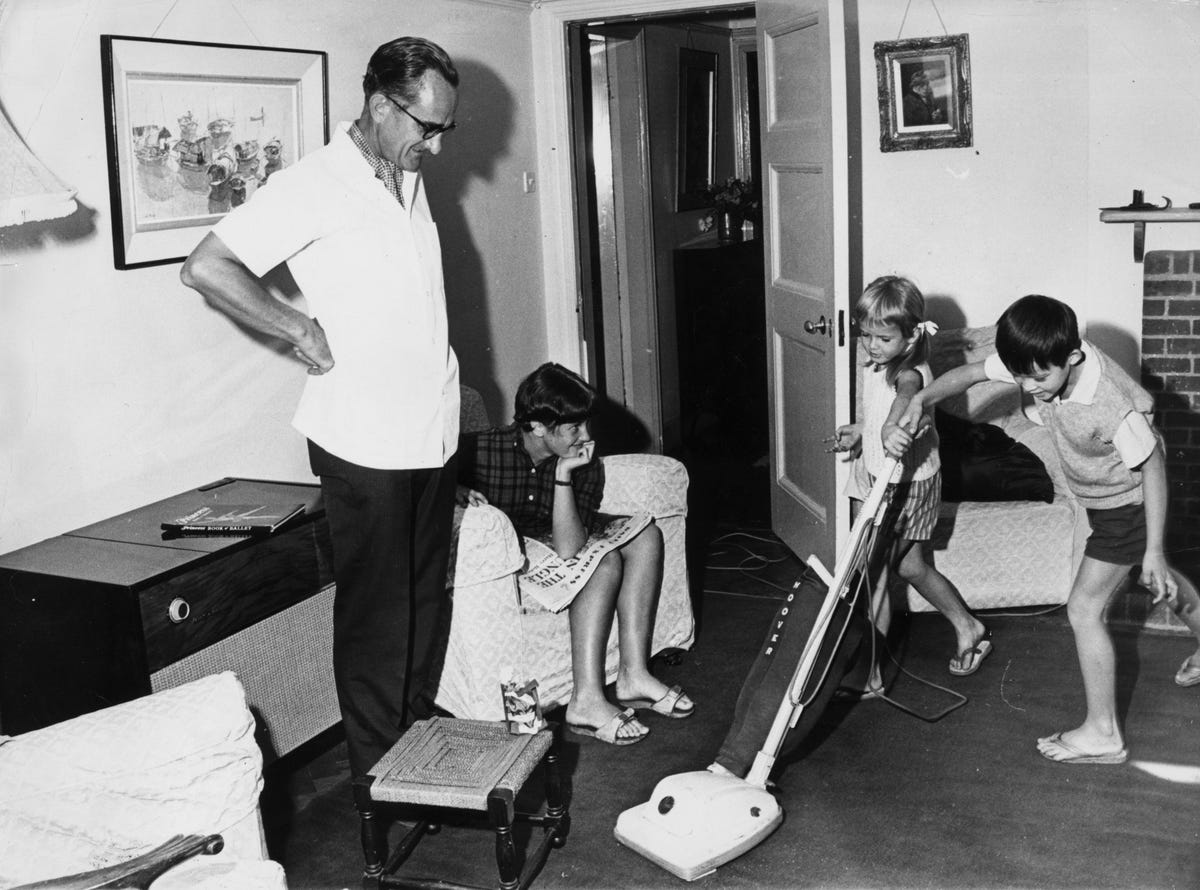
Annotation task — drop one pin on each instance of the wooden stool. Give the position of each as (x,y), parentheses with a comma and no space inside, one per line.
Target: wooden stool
(460,764)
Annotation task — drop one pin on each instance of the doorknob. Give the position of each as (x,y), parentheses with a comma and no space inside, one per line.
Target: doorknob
(818,327)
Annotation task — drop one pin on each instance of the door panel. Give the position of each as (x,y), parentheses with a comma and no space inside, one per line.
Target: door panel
(802,88)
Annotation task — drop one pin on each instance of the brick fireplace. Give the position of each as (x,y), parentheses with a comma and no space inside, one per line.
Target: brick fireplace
(1171,372)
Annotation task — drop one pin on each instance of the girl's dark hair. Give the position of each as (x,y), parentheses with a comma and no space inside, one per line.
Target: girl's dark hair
(399,66)
(893,300)
(552,395)
(1036,332)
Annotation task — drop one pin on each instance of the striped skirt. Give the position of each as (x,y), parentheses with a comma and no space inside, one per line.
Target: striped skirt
(913,505)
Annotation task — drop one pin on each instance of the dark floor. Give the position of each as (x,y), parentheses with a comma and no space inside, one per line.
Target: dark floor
(883,798)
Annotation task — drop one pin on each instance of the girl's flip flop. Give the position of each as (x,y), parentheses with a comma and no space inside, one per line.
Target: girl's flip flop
(972,658)
(669,705)
(607,732)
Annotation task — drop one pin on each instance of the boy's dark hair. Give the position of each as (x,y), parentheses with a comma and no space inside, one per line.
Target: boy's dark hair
(400,65)
(1036,332)
(552,395)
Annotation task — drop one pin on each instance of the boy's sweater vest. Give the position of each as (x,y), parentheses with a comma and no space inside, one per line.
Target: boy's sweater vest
(1083,436)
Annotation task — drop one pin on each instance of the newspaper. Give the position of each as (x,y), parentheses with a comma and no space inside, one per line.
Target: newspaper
(554,582)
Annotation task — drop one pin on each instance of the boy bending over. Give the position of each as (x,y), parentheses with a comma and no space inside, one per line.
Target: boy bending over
(1100,421)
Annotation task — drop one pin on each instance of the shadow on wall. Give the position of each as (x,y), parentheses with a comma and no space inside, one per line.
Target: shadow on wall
(484,118)
(29,236)
(945,310)
(617,430)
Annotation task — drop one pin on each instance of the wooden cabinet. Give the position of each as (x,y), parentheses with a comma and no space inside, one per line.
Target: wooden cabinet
(113,611)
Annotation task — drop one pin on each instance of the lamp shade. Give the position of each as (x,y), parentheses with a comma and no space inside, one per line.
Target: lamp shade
(28,191)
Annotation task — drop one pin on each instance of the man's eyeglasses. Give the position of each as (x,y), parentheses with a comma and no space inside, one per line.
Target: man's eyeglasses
(428,130)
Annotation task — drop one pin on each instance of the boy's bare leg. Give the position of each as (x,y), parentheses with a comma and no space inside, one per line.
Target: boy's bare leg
(942,595)
(1094,585)
(591,614)
(637,603)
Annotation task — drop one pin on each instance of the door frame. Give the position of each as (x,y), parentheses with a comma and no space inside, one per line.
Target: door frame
(551,60)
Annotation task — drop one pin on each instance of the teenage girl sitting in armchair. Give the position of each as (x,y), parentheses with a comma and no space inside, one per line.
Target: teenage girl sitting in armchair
(541,472)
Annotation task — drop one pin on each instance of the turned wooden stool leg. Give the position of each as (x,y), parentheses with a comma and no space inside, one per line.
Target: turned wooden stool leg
(500,810)
(556,803)
(373,831)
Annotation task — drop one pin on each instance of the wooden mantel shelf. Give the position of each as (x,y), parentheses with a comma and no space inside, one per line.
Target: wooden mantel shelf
(1139,218)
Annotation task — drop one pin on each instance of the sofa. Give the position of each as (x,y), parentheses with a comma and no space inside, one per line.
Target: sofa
(495,635)
(101,789)
(1003,553)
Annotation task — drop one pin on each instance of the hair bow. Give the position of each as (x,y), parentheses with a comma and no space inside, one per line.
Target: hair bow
(928,328)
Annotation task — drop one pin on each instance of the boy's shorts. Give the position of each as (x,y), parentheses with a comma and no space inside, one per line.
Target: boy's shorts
(1118,535)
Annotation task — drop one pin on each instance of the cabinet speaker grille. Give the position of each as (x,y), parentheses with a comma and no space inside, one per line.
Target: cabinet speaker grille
(285,663)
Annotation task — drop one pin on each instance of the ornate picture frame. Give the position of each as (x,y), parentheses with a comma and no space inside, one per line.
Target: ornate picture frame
(924,93)
(193,129)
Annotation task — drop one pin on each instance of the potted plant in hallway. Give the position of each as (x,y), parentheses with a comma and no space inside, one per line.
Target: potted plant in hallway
(734,201)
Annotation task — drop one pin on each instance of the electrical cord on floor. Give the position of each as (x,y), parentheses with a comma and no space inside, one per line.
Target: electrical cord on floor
(879,692)
(1047,611)
(753,563)
(757,562)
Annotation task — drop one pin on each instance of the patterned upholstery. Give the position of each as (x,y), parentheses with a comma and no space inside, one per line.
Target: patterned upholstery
(494,636)
(1006,553)
(105,787)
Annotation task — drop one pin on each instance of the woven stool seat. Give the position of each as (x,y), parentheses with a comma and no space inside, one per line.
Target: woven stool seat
(447,764)
(443,762)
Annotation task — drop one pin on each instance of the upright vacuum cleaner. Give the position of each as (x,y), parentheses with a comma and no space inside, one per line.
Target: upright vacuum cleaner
(696,821)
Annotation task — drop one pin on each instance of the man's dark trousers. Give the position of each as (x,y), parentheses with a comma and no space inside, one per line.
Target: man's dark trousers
(390,531)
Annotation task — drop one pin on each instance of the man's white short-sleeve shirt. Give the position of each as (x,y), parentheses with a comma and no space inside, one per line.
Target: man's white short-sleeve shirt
(371,272)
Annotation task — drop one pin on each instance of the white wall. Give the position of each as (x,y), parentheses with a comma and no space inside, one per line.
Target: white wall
(117,388)
(121,387)
(1075,104)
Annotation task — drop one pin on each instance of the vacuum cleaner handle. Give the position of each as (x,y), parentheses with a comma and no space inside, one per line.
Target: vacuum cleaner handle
(791,706)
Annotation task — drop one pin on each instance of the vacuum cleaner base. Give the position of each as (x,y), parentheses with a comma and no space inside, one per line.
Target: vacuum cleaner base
(694,822)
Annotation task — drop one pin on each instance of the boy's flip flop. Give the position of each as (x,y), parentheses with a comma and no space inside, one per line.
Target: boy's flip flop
(1053,747)
(607,732)
(972,658)
(669,705)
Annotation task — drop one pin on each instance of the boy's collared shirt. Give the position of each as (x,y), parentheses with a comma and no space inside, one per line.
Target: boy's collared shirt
(1105,420)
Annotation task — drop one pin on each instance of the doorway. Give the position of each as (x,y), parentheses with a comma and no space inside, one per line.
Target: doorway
(674,322)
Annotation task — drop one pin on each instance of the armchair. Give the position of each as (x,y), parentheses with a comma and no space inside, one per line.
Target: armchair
(109,786)
(494,634)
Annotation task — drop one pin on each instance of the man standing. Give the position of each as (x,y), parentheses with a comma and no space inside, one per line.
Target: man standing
(380,409)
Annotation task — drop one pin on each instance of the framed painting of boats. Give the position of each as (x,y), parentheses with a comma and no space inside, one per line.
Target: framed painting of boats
(194,129)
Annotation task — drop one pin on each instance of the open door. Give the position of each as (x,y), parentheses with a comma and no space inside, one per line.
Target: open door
(806,225)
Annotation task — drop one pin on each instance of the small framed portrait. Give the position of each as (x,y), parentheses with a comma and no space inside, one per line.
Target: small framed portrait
(194,129)
(924,93)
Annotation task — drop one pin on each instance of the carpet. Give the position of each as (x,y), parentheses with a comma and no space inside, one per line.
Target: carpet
(880,798)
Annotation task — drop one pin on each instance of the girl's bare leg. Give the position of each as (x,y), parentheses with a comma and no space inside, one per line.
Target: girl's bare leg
(941,594)
(637,604)
(591,615)
(1187,607)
